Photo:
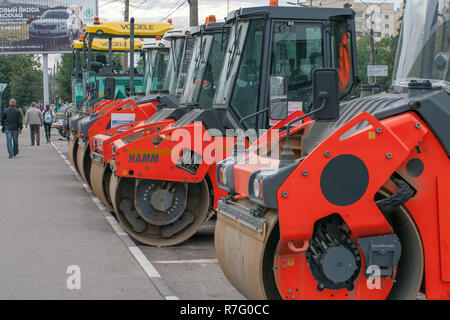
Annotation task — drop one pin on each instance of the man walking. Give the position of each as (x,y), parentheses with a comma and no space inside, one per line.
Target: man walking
(12,124)
(34,118)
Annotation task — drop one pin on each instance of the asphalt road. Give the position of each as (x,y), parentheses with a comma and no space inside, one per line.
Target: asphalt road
(190,270)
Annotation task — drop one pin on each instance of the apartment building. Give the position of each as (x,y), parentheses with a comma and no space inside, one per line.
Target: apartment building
(384,17)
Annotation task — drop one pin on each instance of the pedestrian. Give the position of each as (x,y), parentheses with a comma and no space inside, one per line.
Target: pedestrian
(49,118)
(34,118)
(12,126)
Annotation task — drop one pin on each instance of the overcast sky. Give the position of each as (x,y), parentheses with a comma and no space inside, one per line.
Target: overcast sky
(155,10)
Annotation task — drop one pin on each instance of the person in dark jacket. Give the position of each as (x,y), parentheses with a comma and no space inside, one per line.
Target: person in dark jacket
(12,126)
(49,118)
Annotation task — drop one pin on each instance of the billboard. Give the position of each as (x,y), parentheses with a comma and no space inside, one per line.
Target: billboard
(37,26)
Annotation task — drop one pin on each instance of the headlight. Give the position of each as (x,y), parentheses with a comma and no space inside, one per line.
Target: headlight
(263,185)
(256,188)
(223,176)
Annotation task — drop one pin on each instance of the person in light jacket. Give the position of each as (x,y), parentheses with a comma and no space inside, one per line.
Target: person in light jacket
(34,118)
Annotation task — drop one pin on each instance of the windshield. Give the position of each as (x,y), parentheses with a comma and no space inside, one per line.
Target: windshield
(198,62)
(240,76)
(297,51)
(160,68)
(184,65)
(173,67)
(150,58)
(211,72)
(231,63)
(204,70)
(55,15)
(156,70)
(424,45)
(245,95)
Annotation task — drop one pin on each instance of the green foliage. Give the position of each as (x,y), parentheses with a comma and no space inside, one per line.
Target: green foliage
(64,77)
(385,51)
(23,74)
(117,58)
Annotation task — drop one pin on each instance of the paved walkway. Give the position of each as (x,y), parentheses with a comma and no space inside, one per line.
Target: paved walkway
(49,226)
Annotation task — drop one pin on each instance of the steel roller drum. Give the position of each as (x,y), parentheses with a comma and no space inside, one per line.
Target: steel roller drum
(100,176)
(73,148)
(84,161)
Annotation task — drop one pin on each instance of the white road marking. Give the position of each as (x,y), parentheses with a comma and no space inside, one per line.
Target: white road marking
(199,261)
(142,259)
(139,256)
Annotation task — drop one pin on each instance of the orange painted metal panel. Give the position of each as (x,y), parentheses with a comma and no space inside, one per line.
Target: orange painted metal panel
(444,224)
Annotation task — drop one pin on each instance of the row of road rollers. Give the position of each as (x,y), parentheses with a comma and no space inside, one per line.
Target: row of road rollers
(168,214)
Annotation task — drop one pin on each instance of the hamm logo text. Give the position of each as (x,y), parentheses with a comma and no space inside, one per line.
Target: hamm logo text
(144,158)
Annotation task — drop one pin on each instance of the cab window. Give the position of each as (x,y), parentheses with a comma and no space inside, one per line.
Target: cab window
(297,51)
(244,100)
(341,57)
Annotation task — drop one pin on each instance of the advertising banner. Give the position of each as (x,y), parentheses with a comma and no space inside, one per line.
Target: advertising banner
(38,26)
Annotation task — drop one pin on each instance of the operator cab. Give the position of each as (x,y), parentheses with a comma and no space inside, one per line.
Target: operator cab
(198,73)
(289,43)
(199,78)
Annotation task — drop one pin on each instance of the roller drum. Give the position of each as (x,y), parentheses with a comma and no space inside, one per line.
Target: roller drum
(84,162)
(123,191)
(246,256)
(73,148)
(100,178)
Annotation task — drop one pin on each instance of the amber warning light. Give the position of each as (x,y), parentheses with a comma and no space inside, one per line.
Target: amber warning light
(211,19)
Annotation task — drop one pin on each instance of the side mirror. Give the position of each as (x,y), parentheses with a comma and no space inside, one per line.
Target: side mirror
(278,97)
(325,86)
(110,88)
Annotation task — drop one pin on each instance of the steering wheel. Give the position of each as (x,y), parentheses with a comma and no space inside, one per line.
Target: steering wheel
(298,79)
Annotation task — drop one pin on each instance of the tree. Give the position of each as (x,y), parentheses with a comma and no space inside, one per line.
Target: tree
(386,49)
(64,77)
(384,55)
(23,74)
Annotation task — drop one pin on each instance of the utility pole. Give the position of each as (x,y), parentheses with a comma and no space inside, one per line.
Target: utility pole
(371,47)
(193,13)
(126,15)
(45,74)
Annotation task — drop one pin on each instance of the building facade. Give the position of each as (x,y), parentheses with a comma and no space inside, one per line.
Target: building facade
(384,17)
